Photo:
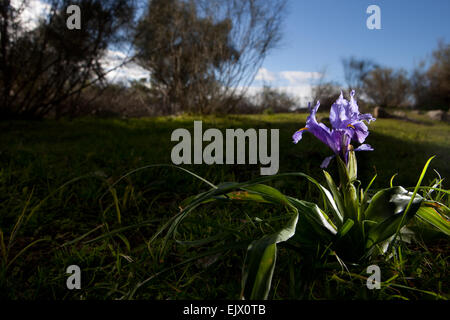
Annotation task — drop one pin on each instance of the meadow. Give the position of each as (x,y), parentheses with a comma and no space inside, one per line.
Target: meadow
(62,203)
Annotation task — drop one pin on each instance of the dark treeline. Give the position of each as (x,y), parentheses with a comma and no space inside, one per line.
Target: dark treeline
(45,69)
(201,56)
(426,87)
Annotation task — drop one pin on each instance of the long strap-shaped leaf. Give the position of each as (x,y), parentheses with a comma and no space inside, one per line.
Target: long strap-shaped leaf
(261,254)
(315,216)
(258,268)
(335,199)
(215,192)
(429,212)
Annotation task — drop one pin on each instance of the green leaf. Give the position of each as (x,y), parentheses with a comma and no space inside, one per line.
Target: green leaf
(432,216)
(344,177)
(216,192)
(388,202)
(261,255)
(387,208)
(315,216)
(384,230)
(23,251)
(260,262)
(220,249)
(391,182)
(351,202)
(346,227)
(416,189)
(245,196)
(347,175)
(363,202)
(201,242)
(437,189)
(352,165)
(258,269)
(337,196)
(267,193)
(347,172)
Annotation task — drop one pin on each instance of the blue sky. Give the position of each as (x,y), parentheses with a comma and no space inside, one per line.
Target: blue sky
(319,33)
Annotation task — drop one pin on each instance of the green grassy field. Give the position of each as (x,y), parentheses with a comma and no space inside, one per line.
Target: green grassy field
(57,175)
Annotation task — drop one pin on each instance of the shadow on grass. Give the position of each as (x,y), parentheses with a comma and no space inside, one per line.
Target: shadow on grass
(67,149)
(44,155)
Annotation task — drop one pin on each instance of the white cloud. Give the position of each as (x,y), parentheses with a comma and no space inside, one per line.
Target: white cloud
(128,72)
(296,77)
(302,92)
(295,83)
(286,78)
(31,12)
(265,75)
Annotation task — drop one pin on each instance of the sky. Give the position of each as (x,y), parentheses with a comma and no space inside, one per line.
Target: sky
(318,34)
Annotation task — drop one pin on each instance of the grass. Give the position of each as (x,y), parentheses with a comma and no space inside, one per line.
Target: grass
(106,230)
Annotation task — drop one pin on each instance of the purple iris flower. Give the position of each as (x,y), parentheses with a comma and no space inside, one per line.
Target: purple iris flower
(347,125)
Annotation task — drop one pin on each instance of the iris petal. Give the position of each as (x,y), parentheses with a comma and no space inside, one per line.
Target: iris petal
(364,147)
(347,124)
(353,107)
(366,117)
(298,135)
(326,161)
(361,132)
(319,130)
(338,113)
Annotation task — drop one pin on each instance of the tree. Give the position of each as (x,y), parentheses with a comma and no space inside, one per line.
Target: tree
(431,87)
(182,50)
(44,67)
(439,77)
(276,101)
(356,70)
(386,87)
(201,52)
(324,91)
(420,86)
